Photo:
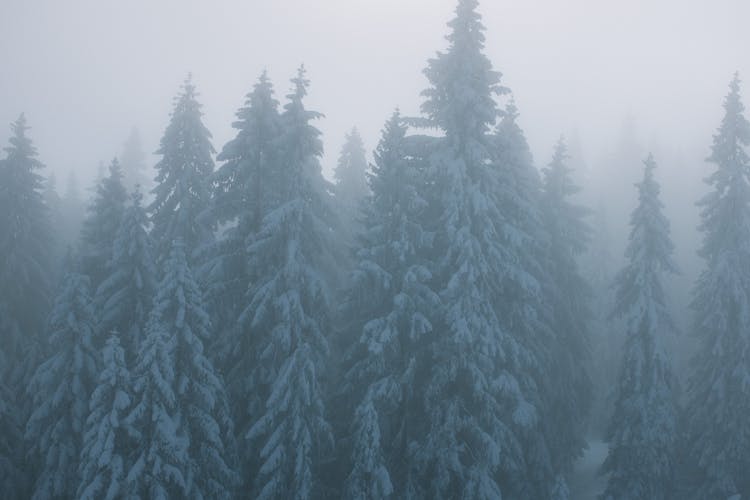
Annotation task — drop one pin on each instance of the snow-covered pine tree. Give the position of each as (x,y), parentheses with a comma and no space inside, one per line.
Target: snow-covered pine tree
(182,193)
(719,392)
(104,454)
(53,202)
(287,317)
(569,293)
(73,211)
(598,269)
(243,192)
(60,391)
(519,302)
(161,464)
(12,473)
(388,322)
(350,175)
(25,243)
(102,223)
(479,401)
(643,433)
(49,193)
(135,172)
(196,409)
(124,297)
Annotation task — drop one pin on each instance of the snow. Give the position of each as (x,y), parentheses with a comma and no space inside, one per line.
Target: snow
(587,482)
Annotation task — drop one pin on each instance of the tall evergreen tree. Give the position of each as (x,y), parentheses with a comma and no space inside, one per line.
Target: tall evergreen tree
(183,174)
(25,242)
(719,401)
(12,474)
(49,193)
(288,317)
(54,204)
(60,390)
(642,433)
(135,172)
(569,293)
(188,403)
(102,223)
(519,301)
(243,191)
(161,463)
(388,321)
(73,211)
(124,297)
(106,438)
(480,400)
(351,180)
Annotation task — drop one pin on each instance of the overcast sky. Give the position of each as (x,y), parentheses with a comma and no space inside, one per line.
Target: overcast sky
(85,72)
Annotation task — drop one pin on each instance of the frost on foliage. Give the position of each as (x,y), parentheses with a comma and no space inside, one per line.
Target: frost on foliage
(566,237)
(480,399)
(161,464)
(124,297)
(521,305)
(642,433)
(243,192)
(106,440)
(387,316)
(12,475)
(287,319)
(369,478)
(560,490)
(102,223)
(182,193)
(25,242)
(60,391)
(719,390)
(181,416)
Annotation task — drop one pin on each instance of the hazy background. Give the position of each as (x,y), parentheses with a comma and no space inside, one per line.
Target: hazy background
(617,77)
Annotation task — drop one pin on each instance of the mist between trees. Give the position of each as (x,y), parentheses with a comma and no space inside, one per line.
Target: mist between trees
(450,320)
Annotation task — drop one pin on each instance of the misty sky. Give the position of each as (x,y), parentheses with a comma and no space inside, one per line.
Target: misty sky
(85,72)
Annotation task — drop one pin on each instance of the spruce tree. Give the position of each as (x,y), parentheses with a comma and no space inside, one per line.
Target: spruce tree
(480,399)
(49,193)
(388,317)
(123,299)
(350,175)
(25,243)
(288,319)
(161,464)
(102,223)
(60,390)
(12,473)
(73,211)
(135,172)
(642,433)
(189,400)
(106,438)
(242,195)
(719,393)
(519,302)
(183,191)
(599,272)
(53,204)
(567,235)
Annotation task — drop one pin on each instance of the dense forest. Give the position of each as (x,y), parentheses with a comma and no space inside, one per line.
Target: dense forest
(434,324)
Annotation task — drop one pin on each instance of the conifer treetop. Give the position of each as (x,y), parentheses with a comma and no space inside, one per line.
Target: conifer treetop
(461,98)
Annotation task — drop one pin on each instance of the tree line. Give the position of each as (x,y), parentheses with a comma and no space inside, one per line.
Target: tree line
(419,329)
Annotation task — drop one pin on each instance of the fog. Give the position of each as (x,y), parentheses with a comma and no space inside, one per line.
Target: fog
(617,79)
(85,72)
